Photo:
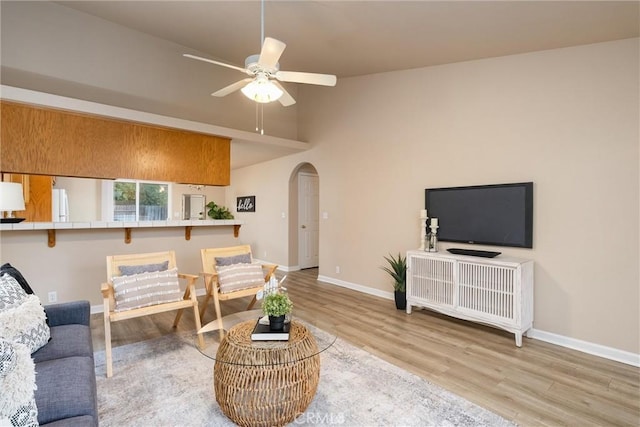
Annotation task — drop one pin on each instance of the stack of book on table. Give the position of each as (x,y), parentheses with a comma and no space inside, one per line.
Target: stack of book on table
(262,332)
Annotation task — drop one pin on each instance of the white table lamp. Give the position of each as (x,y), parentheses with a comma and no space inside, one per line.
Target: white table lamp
(11,199)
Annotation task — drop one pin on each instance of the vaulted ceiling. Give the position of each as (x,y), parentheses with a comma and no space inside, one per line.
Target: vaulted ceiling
(346,38)
(351,38)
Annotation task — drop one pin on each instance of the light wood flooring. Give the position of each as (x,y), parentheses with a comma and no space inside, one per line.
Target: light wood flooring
(537,384)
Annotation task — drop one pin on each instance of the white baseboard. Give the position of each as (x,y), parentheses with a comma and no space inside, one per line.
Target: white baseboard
(568,342)
(356,287)
(587,347)
(283,268)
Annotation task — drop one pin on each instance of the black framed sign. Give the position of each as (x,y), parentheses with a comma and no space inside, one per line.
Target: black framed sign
(246,204)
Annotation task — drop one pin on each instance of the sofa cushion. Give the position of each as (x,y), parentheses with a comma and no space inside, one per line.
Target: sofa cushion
(83,421)
(66,388)
(17,382)
(66,341)
(145,289)
(67,313)
(22,318)
(240,276)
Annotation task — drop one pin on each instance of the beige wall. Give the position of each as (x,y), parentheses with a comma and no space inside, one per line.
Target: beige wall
(566,119)
(76,266)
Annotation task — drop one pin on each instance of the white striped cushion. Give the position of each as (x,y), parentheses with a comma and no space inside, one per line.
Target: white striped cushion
(145,289)
(239,276)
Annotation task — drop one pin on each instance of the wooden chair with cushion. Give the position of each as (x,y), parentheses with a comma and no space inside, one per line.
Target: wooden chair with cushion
(143,284)
(230,273)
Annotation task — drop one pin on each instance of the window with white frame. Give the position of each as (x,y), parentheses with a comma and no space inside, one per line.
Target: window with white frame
(131,200)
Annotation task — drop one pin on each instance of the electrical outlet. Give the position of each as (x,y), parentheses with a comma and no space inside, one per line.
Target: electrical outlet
(265,254)
(53,296)
(337,269)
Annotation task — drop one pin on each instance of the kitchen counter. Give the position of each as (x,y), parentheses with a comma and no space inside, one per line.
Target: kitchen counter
(127,226)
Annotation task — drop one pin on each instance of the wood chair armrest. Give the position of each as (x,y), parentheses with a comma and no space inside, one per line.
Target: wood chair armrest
(106,289)
(209,281)
(188,276)
(271,269)
(205,274)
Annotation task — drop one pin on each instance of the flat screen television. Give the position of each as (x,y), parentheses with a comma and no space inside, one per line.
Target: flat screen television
(498,215)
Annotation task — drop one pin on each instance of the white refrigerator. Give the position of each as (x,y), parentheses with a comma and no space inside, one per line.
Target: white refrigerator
(60,206)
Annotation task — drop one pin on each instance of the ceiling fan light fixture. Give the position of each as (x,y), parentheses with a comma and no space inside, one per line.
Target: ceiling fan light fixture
(262,91)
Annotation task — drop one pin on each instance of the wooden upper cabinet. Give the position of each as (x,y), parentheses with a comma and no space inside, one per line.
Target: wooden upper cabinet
(37,196)
(46,141)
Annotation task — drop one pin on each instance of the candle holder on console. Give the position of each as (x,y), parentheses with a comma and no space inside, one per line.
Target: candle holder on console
(423,230)
(432,239)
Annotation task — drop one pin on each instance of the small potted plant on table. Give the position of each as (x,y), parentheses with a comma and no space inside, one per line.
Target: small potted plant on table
(276,305)
(398,270)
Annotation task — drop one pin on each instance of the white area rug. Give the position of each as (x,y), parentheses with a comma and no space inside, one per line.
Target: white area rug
(168,382)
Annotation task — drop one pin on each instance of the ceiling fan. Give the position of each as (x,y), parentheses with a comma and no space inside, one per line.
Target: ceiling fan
(264,70)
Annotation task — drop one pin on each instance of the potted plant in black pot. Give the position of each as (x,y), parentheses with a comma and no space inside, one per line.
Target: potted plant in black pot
(398,270)
(276,305)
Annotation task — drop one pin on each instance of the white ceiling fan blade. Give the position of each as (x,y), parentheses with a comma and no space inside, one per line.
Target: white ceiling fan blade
(308,78)
(211,61)
(232,87)
(271,51)
(286,99)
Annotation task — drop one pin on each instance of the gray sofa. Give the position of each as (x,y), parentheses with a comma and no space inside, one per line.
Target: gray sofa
(65,372)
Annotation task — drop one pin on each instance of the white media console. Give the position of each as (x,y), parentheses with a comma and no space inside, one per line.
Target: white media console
(493,291)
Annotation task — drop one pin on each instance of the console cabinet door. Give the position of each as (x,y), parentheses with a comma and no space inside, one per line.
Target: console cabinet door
(432,281)
(487,291)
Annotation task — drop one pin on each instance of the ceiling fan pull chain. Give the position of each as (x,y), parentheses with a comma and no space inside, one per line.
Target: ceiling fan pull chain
(262,24)
(257,119)
(261,119)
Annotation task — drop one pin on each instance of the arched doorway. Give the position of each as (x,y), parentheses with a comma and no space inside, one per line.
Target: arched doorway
(304,217)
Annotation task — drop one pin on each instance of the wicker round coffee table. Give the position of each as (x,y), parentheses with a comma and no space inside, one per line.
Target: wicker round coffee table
(265,383)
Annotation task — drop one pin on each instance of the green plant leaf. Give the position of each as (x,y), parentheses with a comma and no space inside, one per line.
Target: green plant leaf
(276,304)
(218,212)
(397,269)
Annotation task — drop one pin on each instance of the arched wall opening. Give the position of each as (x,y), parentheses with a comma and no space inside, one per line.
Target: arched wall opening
(304,213)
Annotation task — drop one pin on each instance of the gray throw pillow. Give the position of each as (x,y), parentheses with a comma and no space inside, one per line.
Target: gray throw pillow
(13,272)
(11,293)
(128,270)
(236,259)
(22,317)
